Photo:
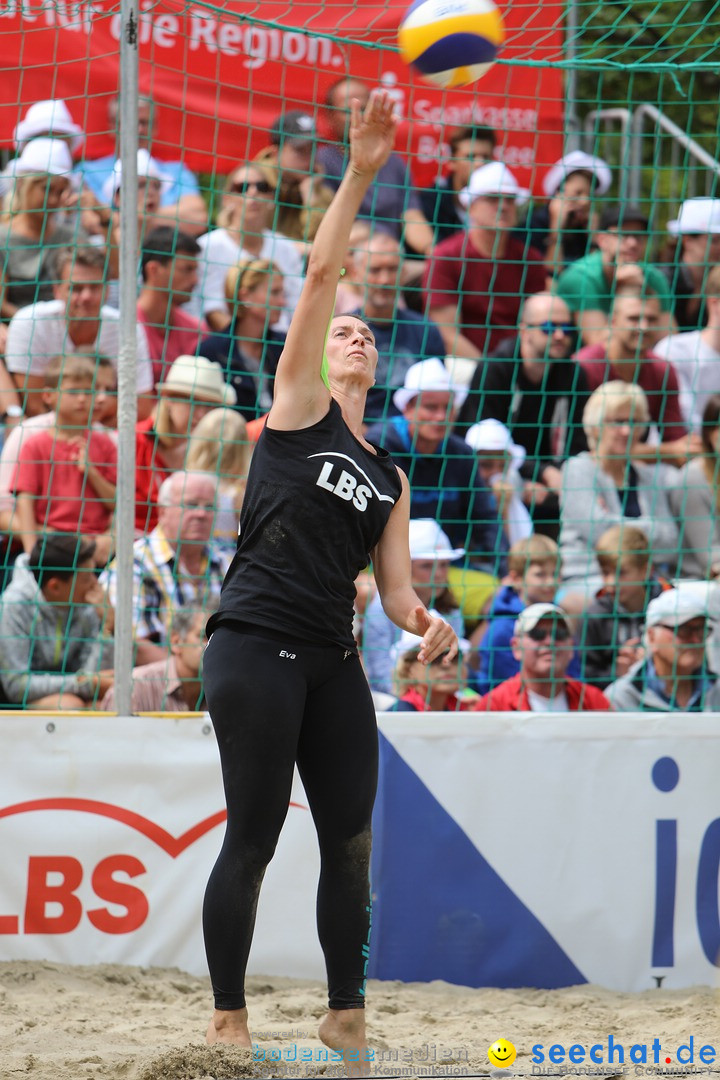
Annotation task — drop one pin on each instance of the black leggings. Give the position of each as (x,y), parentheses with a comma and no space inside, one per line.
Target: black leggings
(311,706)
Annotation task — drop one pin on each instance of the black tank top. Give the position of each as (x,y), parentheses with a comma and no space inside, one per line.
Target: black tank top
(316,504)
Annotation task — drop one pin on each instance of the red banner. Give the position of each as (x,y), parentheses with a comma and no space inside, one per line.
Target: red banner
(220,75)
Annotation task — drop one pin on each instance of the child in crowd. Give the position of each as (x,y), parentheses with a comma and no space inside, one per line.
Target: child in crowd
(219,445)
(611,636)
(104,413)
(66,473)
(532,578)
(435,687)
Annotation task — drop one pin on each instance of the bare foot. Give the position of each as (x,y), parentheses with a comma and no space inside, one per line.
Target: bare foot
(229,1027)
(344,1030)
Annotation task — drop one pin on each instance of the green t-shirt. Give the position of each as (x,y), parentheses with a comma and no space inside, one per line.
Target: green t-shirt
(584,287)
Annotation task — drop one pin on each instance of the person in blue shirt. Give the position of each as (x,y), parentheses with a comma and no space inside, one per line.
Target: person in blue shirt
(445,483)
(532,578)
(181,200)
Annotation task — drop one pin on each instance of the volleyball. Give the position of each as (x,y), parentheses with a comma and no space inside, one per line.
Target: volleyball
(451,42)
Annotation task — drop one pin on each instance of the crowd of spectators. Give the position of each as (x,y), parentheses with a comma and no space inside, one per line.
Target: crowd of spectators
(547,379)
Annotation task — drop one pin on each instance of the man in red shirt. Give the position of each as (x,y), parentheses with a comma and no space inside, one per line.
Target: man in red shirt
(476,280)
(169,272)
(626,357)
(544,646)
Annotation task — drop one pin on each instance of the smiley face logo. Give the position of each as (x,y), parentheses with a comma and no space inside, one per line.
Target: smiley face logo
(502,1053)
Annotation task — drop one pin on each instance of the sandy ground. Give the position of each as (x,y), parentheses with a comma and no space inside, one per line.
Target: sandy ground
(122,1023)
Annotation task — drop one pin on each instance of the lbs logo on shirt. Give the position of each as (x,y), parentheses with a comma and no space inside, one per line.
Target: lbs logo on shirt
(335,478)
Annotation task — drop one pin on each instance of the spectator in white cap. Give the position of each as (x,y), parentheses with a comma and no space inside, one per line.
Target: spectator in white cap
(499,460)
(444,481)
(182,203)
(192,387)
(431,554)
(673,676)
(476,280)
(692,250)
(40,187)
(150,180)
(44,119)
(543,646)
(562,229)
(436,687)
(49,118)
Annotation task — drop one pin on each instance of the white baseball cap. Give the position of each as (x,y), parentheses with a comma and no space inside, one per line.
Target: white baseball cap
(577,161)
(146,166)
(51,156)
(490,434)
(533,614)
(50,117)
(427,375)
(696,216)
(674,607)
(428,541)
(493,179)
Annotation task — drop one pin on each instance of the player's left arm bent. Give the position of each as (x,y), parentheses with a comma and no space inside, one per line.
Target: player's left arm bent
(393,576)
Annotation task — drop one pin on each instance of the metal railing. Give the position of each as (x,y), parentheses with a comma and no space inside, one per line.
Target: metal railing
(622,136)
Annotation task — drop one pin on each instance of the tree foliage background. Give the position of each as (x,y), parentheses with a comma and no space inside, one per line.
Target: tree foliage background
(663,53)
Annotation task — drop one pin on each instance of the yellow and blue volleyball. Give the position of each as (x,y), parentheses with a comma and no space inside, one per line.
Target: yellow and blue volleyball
(451,42)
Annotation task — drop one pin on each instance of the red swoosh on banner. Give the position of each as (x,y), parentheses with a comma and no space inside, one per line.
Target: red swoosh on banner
(173,845)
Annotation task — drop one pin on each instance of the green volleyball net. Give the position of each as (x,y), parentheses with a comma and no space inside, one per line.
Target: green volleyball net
(240,115)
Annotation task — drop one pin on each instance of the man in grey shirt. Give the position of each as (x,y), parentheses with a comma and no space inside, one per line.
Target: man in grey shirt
(673,676)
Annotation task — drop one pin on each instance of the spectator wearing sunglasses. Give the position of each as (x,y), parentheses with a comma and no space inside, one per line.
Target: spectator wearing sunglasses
(543,646)
(673,675)
(301,194)
(244,232)
(534,389)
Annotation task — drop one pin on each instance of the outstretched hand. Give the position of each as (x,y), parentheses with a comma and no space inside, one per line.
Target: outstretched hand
(372,133)
(438,637)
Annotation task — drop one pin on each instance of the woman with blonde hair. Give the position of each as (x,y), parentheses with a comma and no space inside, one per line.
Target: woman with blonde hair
(31,231)
(249,350)
(244,231)
(605,486)
(219,445)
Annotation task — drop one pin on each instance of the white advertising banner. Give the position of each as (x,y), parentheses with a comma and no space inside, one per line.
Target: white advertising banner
(509,851)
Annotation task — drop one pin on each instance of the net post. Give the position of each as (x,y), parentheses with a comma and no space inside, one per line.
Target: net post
(127,366)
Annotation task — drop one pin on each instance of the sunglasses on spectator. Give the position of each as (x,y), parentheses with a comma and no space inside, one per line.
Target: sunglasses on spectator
(549,328)
(688,631)
(241,187)
(556,632)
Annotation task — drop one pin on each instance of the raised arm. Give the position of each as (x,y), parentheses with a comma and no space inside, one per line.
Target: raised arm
(301,398)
